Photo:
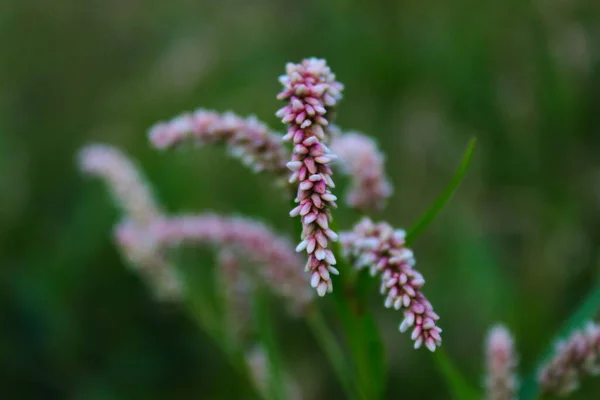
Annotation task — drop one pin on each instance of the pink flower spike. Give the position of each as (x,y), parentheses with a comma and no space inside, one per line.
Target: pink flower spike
(144,256)
(246,138)
(363,162)
(237,290)
(311,91)
(257,243)
(501,361)
(573,358)
(381,249)
(123,178)
(133,195)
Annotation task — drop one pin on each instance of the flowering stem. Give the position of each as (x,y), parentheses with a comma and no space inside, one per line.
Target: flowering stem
(330,346)
(459,388)
(333,351)
(198,307)
(360,330)
(264,324)
(364,376)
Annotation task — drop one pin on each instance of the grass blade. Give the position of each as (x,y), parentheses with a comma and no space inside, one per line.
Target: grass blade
(457,384)
(446,195)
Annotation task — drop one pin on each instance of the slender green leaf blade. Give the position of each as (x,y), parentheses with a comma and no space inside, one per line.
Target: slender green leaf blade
(457,384)
(446,195)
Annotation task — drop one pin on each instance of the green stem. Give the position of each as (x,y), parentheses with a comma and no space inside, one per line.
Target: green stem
(343,368)
(457,385)
(332,350)
(363,376)
(266,331)
(208,322)
(360,331)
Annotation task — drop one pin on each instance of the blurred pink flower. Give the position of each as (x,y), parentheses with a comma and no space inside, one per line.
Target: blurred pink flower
(123,178)
(237,290)
(247,138)
(260,370)
(258,244)
(143,254)
(501,380)
(573,358)
(311,91)
(380,248)
(133,195)
(363,162)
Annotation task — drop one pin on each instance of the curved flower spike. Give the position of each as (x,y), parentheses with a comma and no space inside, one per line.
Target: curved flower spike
(260,245)
(381,249)
(124,180)
(237,290)
(134,196)
(247,138)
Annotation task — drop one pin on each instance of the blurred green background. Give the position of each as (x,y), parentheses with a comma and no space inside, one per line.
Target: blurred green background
(518,243)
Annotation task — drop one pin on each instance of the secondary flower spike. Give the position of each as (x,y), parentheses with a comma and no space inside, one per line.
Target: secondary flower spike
(260,370)
(131,192)
(142,253)
(381,248)
(237,291)
(363,162)
(311,92)
(246,138)
(259,245)
(577,356)
(124,180)
(501,381)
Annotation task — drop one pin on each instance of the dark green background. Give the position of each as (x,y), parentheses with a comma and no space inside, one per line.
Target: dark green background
(518,243)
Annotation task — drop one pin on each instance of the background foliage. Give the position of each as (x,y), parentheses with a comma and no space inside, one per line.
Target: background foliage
(518,243)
